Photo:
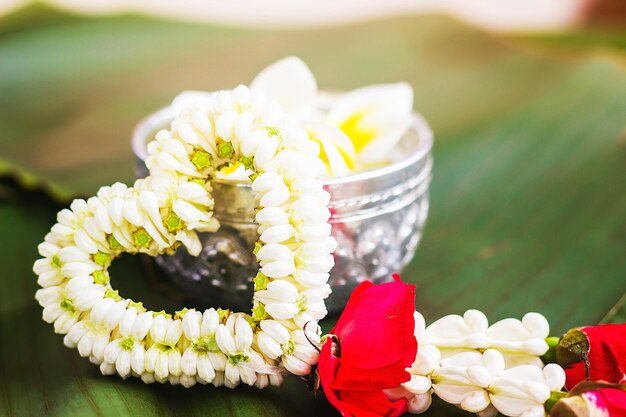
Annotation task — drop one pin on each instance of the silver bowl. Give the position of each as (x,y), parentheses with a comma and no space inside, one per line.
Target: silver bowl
(378,217)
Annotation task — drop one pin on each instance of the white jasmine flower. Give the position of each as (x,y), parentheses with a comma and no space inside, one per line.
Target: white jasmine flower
(84,292)
(128,351)
(59,308)
(314,256)
(50,268)
(525,336)
(307,210)
(523,390)
(460,331)
(311,306)
(190,203)
(276,260)
(89,338)
(203,356)
(141,209)
(241,358)
(163,357)
(69,220)
(280,299)
(463,379)
(271,338)
(170,155)
(298,352)
(108,312)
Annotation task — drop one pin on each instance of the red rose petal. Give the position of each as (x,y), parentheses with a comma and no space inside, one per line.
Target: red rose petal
(373,403)
(376,328)
(615,400)
(376,344)
(390,376)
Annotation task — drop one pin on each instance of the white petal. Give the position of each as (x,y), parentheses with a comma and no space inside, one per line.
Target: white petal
(279,269)
(174,332)
(224,339)
(141,326)
(243,334)
(210,321)
(281,311)
(174,359)
(231,373)
(277,234)
(122,365)
(161,366)
(189,361)
(290,82)
(112,351)
(191,324)
(268,345)
(205,368)
(137,361)
(275,197)
(296,366)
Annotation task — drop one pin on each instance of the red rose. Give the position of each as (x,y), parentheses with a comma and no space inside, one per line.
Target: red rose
(592,399)
(596,353)
(373,346)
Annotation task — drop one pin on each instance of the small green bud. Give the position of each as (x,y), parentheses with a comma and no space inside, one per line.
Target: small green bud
(201,159)
(199,181)
(550,355)
(113,243)
(573,347)
(115,295)
(127,343)
(289,348)
(272,131)
(56,261)
(68,305)
(173,222)
(223,314)
(260,281)
(259,313)
(178,315)
(301,303)
(251,322)
(102,259)
(162,313)
(225,150)
(100,277)
(257,247)
(247,162)
(142,238)
(238,357)
(138,306)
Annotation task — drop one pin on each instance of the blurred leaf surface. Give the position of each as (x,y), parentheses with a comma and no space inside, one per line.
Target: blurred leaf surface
(528,208)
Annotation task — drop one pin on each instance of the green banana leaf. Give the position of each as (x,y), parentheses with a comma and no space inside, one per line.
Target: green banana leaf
(528,209)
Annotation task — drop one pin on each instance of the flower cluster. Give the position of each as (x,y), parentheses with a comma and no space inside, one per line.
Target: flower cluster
(482,369)
(355,130)
(235,133)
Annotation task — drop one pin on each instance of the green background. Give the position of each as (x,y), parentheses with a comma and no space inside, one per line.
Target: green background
(528,202)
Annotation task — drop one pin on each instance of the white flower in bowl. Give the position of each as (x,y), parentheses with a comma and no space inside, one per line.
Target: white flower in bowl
(357,130)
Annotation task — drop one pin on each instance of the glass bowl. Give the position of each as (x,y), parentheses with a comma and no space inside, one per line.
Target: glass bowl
(378,217)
